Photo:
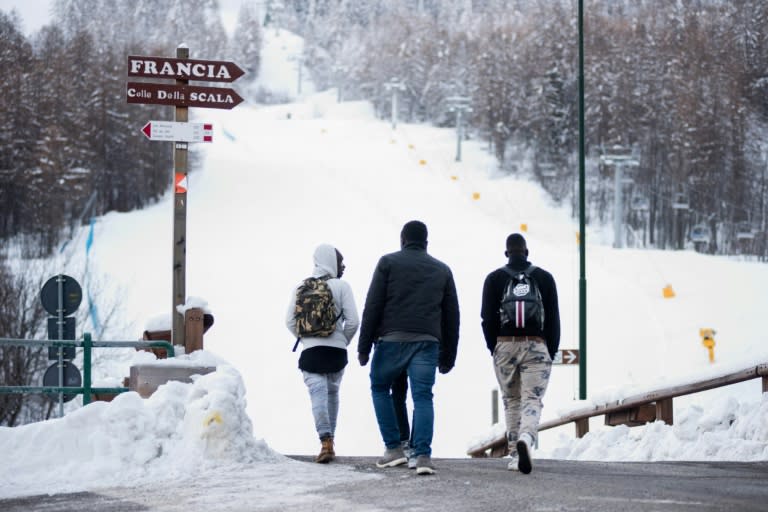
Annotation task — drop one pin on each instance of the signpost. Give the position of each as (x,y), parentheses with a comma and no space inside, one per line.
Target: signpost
(566,356)
(181,96)
(170,131)
(61,295)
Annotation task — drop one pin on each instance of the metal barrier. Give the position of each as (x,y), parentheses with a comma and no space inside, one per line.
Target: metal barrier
(633,410)
(87,345)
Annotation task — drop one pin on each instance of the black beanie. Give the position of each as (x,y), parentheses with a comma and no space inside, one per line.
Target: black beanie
(414,231)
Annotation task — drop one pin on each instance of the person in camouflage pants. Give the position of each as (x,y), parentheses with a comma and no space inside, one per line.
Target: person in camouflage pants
(522,352)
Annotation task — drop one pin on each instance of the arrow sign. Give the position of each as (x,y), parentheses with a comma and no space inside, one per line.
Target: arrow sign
(567,356)
(183,69)
(182,95)
(171,131)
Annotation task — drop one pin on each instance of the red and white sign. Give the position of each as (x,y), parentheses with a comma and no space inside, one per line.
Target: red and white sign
(171,131)
(180,182)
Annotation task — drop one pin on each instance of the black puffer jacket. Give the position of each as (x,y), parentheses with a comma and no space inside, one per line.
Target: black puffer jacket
(412,292)
(493,289)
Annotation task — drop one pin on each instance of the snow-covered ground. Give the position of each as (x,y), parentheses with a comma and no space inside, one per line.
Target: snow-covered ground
(273,186)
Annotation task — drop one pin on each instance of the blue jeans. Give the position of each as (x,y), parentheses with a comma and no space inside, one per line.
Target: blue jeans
(390,359)
(324,395)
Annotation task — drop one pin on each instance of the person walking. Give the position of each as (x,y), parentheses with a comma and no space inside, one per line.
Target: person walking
(411,316)
(521,326)
(324,353)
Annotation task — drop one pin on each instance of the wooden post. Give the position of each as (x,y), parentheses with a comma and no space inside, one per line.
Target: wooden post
(193,328)
(765,383)
(582,427)
(179,268)
(664,411)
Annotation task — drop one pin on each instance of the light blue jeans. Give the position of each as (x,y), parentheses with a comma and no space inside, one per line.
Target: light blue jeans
(390,359)
(324,395)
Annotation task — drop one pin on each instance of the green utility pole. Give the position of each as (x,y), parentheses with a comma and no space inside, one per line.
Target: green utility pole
(582,222)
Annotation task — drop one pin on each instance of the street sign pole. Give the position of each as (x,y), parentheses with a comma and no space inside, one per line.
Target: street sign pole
(179,268)
(60,321)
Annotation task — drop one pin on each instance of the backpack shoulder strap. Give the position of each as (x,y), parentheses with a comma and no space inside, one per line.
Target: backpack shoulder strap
(527,271)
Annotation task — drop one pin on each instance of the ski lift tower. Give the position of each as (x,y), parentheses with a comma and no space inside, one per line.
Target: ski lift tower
(620,158)
(459,104)
(394,85)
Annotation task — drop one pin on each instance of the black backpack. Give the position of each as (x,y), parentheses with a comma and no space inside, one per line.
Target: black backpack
(521,304)
(314,311)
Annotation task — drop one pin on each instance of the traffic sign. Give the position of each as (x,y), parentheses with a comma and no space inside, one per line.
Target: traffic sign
(171,131)
(182,95)
(72,295)
(566,356)
(71,374)
(183,69)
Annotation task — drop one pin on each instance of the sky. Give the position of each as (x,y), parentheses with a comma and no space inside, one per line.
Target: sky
(279,180)
(36,13)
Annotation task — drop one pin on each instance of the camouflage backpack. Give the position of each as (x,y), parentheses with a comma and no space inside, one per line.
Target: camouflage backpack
(314,311)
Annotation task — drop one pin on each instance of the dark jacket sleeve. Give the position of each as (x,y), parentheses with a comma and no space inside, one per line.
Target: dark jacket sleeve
(552,312)
(373,309)
(449,340)
(490,313)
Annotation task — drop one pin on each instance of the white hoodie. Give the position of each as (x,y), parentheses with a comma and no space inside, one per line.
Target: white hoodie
(344,302)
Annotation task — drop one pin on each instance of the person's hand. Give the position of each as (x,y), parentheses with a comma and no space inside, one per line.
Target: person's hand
(363,358)
(444,368)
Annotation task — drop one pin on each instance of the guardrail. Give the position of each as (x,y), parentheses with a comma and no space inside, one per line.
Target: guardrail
(634,410)
(87,345)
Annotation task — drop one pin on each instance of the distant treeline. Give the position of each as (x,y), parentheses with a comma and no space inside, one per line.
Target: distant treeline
(70,145)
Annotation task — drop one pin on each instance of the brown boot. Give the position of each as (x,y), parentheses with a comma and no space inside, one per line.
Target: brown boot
(326,452)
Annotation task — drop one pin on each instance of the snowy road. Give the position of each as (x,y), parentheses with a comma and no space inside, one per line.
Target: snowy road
(460,484)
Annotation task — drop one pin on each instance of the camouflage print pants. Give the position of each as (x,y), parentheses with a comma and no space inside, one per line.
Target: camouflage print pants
(522,369)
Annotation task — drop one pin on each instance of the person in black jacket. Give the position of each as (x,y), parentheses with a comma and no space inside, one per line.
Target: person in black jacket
(522,355)
(411,315)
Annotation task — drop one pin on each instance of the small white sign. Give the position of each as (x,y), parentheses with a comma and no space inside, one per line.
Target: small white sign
(171,131)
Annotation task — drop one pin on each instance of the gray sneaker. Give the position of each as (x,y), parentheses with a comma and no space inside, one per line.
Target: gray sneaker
(424,465)
(391,458)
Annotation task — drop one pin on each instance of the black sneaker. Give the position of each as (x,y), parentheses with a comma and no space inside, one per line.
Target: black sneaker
(524,443)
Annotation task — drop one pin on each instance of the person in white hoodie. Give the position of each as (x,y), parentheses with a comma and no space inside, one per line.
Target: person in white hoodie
(323,359)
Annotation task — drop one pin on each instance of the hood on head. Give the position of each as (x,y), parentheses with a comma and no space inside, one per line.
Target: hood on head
(325,260)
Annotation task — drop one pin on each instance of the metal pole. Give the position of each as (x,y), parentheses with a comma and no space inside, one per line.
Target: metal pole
(394,107)
(617,205)
(494,406)
(60,329)
(179,268)
(87,351)
(459,129)
(582,221)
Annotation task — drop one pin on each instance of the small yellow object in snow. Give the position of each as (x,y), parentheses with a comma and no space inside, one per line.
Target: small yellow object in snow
(475,195)
(524,228)
(454,178)
(213,417)
(323,130)
(422,162)
(392,141)
(708,340)
(578,238)
(410,146)
(668,292)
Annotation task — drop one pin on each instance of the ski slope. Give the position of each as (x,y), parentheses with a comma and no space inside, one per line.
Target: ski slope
(276,185)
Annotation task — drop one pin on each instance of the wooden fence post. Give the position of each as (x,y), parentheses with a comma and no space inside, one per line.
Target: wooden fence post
(582,427)
(193,330)
(664,411)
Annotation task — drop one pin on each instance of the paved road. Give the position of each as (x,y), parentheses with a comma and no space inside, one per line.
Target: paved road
(480,485)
